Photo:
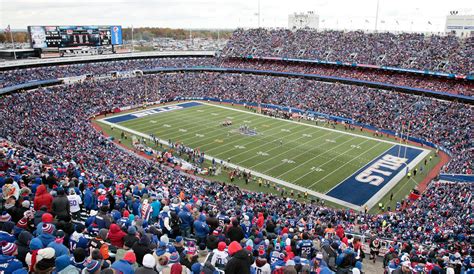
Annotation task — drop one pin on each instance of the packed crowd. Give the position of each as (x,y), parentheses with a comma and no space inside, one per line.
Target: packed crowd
(407,50)
(168,222)
(54,121)
(19,76)
(454,86)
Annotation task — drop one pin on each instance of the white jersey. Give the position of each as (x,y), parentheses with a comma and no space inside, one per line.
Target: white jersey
(74,202)
(265,269)
(219,258)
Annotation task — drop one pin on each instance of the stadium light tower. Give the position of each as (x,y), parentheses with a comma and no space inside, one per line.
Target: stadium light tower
(376,15)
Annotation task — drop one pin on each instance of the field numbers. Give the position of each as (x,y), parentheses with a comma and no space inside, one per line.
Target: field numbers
(214,114)
(317,169)
(307,135)
(229,117)
(200,110)
(330,140)
(166,125)
(246,121)
(285,130)
(199,135)
(153,121)
(183,130)
(288,161)
(261,153)
(265,125)
(239,147)
(355,146)
(219,141)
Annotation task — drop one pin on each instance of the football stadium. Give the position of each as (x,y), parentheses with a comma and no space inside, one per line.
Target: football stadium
(316,147)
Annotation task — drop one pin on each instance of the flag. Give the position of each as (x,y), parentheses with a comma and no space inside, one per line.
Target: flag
(429,23)
(397,22)
(382,21)
(367,21)
(8,29)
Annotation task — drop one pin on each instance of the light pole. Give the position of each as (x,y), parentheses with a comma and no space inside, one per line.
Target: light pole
(377,15)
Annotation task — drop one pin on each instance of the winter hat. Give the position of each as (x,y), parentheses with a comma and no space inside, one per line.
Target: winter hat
(45,259)
(25,204)
(130,257)
(126,214)
(221,246)
(8,226)
(132,230)
(234,247)
(93,266)
(165,239)
(166,209)
(176,268)
(196,268)
(48,228)
(62,262)
(179,239)
(171,249)
(20,271)
(149,261)
(290,262)
(191,250)
(36,244)
(174,258)
(22,223)
(162,261)
(8,248)
(5,217)
(47,218)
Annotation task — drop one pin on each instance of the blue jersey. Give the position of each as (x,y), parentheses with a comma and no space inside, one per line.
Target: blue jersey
(222,219)
(291,222)
(305,248)
(275,261)
(309,225)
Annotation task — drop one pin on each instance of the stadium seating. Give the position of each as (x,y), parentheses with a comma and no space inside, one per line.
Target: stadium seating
(407,50)
(48,139)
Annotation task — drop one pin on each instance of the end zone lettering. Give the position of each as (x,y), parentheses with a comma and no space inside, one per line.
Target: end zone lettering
(388,162)
(370,179)
(155,111)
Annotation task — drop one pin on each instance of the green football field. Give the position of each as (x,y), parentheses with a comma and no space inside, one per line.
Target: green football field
(310,156)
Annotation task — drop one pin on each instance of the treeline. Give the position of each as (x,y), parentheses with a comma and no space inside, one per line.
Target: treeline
(138,34)
(18,37)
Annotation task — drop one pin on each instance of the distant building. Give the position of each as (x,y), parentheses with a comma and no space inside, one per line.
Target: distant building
(303,20)
(461,25)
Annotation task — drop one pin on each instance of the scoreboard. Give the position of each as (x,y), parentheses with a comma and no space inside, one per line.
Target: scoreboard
(74,36)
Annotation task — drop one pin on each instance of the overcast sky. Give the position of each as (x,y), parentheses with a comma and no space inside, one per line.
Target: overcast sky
(336,14)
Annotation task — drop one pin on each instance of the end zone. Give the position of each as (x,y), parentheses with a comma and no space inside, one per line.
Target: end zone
(370,183)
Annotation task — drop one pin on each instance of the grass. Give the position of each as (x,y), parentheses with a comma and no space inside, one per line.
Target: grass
(314,158)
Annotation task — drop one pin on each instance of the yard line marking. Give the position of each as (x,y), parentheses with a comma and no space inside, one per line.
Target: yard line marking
(256,173)
(337,169)
(309,125)
(341,154)
(284,152)
(322,144)
(188,121)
